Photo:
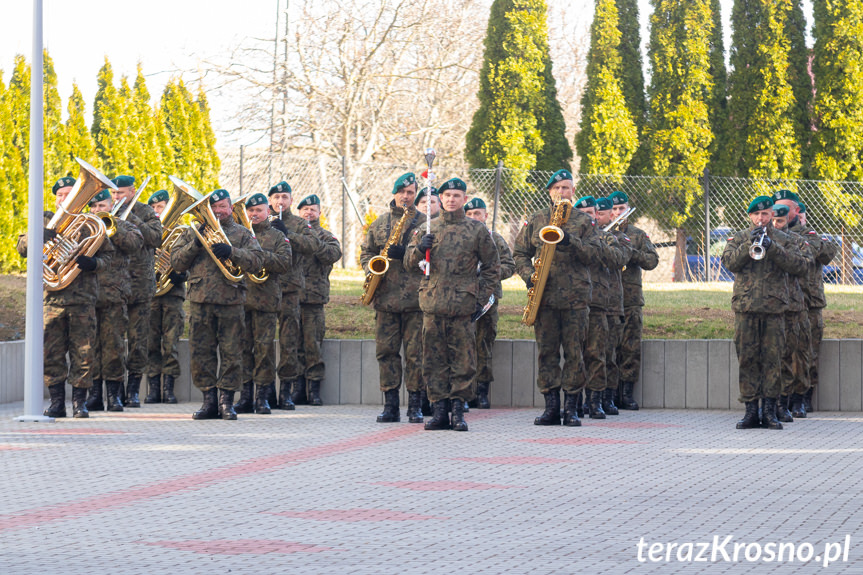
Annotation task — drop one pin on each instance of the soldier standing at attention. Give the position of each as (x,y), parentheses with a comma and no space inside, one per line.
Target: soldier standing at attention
(304,243)
(449,296)
(263,300)
(563,311)
(216,308)
(759,302)
(142,268)
(70,322)
(315,294)
(109,351)
(486,325)
(643,257)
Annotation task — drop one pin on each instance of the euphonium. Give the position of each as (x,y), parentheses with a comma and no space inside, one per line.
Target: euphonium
(183,195)
(550,235)
(379,264)
(213,234)
(242,218)
(78,234)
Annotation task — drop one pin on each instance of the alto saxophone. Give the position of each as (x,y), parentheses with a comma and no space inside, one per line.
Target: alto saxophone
(550,236)
(379,264)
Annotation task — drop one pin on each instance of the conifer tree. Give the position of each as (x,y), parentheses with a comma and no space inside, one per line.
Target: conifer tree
(110,125)
(78,136)
(149,162)
(10,225)
(801,82)
(209,160)
(177,115)
(55,142)
(718,110)
(632,76)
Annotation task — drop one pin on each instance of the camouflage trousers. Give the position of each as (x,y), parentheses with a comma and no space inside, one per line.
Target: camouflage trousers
(449,356)
(392,329)
(594,352)
(215,340)
(615,337)
(555,328)
(816,327)
(795,357)
(109,353)
(138,336)
(759,339)
(486,333)
(313,326)
(289,336)
(629,351)
(167,320)
(69,329)
(259,352)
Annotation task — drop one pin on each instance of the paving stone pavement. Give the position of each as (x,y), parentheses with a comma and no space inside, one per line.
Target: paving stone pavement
(329,490)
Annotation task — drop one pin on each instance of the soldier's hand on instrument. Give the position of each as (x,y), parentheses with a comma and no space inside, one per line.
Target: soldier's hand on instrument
(529,283)
(279,225)
(426,242)
(477,313)
(396,252)
(201,230)
(86,263)
(566,238)
(756,232)
(221,251)
(48,235)
(177,278)
(767,242)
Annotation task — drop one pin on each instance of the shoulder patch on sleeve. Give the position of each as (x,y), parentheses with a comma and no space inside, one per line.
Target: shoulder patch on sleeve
(812,232)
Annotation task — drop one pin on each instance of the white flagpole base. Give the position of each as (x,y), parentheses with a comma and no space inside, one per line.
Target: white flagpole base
(35,419)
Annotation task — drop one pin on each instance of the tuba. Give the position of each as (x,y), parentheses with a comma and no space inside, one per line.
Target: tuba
(242,218)
(550,235)
(78,234)
(379,264)
(213,234)
(183,195)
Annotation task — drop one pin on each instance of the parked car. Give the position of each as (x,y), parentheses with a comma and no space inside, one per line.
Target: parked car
(694,270)
(833,271)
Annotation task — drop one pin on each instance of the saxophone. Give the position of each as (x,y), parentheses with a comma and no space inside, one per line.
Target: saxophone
(379,264)
(550,236)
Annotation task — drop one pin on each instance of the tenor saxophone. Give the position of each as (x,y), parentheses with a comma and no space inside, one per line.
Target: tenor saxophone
(379,264)
(550,236)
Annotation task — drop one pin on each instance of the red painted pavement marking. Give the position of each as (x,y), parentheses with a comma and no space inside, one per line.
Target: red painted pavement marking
(240,546)
(145,416)
(12,448)
(70,431)
(353,515)
(515,460)
(633,424)
(579,441)
(445,485)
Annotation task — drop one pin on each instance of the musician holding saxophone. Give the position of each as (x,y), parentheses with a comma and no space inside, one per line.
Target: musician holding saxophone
(761,257)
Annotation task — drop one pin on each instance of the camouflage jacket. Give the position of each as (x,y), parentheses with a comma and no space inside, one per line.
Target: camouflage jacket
(796,295)
(644,257)
(206,282)
(85,287)
(115,281)
(453,287)
(317,267)
(825,250)
(615,271)
(398,290)
(604,270)
(276,260)
(142,263)
(761,286)
(507,264)
(303,243)
(569,283)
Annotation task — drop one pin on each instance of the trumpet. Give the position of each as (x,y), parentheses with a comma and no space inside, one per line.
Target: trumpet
(756,250)
(618,220)
(242,218)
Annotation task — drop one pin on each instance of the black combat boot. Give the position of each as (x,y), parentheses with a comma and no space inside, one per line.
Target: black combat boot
(226,405)
(154,389)
(579,403)
(798,410)
(94,397)
(262,399)
(466,406)
(415,414)
(113,388)
(750,418)
(551,415)
(626,399)
(440,417)
(272,398)
(608,402)
(587,393)
(595,403)
(79,403)
(482,388)
(425,405)
(458,408)
(807,400)
(782,413)
(315,392)
(570,410)
(57,392)
(246,402)
(285,401)
(168,389)
(210,407)
(390,414)
(133,386)
(768,414)
(298,391)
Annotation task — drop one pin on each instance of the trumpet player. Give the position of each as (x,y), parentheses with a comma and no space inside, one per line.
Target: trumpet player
(216,315)
(761,257)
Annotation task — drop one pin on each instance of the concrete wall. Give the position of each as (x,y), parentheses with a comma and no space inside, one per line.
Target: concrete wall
(678,374)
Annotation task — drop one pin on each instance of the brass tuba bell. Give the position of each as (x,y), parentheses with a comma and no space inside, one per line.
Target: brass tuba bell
(182,196)
(213,234)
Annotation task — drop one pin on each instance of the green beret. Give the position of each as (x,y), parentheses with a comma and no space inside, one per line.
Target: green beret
(124,181)
(258,199)
(101,196)
(280,188)
(785,195)
(219,194)
(558,176)
(311,200)
(802,207)
(404,181)
(618,198)
(475,204)
(424,192)
(586,202)
(603,204)
(780,211)
(160,196)
(66,182)
(453,184)
(760,203)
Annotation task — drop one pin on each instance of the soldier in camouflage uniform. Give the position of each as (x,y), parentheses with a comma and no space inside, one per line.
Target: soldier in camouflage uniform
(315,294)
(142,267)
(167,320)
(486,326)
(263,301)
(216,316)
(70,322)
(109,353)
(759,301)
(448,297)
(643,257)
(563,311)
(304,243)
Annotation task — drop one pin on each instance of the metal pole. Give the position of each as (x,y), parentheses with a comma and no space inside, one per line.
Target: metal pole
(344,207)
(241,170)
(497,183)
(33,345)
(706,185)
